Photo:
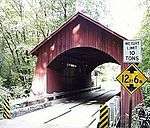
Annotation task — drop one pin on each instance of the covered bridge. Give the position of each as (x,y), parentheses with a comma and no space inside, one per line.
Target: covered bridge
(66,58)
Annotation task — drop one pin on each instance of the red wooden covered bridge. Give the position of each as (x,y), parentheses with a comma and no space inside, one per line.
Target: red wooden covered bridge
(81,44)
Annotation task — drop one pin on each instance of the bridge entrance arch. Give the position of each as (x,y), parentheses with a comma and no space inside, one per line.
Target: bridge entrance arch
(71,70)
(81,44)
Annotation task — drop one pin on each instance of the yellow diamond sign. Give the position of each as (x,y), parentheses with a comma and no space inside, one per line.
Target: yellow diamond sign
(131,78)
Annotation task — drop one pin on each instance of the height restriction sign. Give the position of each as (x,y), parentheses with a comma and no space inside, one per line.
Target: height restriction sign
(131,78)
(132,51)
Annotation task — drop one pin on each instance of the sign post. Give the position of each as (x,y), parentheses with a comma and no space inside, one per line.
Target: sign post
(131,78)
(130,111)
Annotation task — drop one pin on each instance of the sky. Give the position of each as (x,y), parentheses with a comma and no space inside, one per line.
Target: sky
(126,16)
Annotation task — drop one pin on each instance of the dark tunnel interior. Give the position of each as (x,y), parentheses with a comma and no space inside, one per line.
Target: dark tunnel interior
(74,66)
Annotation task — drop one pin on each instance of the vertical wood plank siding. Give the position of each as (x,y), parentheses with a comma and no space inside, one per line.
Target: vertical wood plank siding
(78,33)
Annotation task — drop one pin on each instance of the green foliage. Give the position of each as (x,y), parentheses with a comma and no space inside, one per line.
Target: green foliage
(23,24)
(17,77)
(144,35)
(98,10)
(146,92)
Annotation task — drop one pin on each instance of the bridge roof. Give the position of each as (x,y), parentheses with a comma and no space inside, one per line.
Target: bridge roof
(71,19)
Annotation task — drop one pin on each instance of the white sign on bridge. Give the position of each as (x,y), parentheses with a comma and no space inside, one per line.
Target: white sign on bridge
(132,51)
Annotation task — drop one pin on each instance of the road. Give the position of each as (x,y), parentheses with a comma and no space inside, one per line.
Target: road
(77,112)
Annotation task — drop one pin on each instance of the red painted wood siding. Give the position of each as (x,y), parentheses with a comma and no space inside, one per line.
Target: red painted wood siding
(78,33)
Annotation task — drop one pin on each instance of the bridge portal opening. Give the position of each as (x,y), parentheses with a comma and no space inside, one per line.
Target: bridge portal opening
(104,76)
(72,69)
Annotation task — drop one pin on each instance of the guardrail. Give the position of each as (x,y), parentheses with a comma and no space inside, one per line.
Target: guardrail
(58,95)
(23,106)
(114,112)
(117,120)
(53,96)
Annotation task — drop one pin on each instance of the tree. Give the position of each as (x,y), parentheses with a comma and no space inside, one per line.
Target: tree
(23,23)
(96,9)
(144,35)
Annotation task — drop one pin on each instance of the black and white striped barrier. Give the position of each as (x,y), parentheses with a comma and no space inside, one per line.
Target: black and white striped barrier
(6,108)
